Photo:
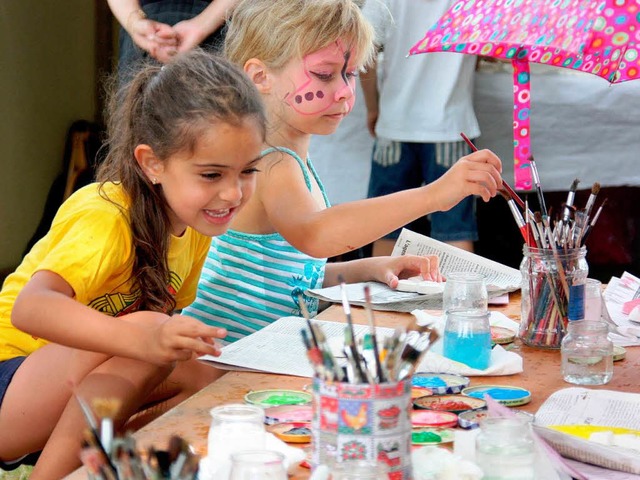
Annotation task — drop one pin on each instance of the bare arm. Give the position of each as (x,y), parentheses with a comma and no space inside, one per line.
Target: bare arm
(369,82)
(46,308)
(192,32)
(321,233)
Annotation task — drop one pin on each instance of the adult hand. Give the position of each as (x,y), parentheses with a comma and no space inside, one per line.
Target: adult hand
(390,269)
(158,39)
(190,34)
(474,174)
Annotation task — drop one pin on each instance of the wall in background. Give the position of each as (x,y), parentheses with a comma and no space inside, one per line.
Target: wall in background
(47,80)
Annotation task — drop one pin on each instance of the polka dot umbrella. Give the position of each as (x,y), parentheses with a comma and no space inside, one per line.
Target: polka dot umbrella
(594,36)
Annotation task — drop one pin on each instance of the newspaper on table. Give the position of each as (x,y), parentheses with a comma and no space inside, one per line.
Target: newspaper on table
(500,279)
(581,406)
(278,347)
(619,291)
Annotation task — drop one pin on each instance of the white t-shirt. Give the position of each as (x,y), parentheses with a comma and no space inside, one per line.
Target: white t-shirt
(424,98)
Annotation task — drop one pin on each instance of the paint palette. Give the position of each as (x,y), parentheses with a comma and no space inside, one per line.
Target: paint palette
(431,418)
(472,418)
(502,335)
(420,392)
(619,353)
(432,436)
(440,383)
(449,403)
(506,395)
(274,398)
(292,432)
(288,413)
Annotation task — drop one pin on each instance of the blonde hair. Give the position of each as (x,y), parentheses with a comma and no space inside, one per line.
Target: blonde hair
(277,31)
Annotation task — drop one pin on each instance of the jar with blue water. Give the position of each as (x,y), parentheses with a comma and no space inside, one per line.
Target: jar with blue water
(467,338)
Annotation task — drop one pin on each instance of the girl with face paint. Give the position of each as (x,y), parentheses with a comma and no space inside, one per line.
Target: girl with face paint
(304,56)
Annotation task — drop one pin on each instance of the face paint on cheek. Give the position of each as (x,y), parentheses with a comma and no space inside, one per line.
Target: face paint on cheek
(311,95)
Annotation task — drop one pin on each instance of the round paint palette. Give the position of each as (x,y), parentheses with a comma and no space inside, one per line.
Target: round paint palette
(502,335)
(432,436)
(431,418)
(506,395)
(619,353)
(288,413)
(292,432)
(440,383)
(472,418)
(449,403)
(274,398)
(420,392)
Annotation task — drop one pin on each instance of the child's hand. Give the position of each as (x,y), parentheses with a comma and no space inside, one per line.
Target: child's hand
(390,269)
(475,174)
(178,338)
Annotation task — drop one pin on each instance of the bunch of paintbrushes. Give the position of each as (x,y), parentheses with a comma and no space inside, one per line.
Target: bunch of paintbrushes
(400,355)
(107,457)
(554,255)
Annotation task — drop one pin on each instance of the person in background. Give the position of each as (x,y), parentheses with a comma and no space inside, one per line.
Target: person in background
(304,56)
(416,111)
(162,28)
(184,146)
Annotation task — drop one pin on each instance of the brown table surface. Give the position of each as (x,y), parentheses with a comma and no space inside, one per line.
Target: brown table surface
(541,376)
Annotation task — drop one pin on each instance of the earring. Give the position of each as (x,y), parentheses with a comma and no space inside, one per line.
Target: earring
(154,180)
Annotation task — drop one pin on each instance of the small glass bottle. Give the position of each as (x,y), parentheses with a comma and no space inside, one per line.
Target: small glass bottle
(587,353)
(467,338)
(505,449)
(258,465)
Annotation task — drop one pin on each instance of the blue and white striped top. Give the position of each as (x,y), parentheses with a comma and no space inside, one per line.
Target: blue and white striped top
(250,280)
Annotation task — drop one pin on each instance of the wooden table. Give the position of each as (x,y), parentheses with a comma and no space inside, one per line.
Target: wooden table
(541,376)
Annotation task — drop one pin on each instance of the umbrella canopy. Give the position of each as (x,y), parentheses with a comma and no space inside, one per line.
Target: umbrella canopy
(598,37)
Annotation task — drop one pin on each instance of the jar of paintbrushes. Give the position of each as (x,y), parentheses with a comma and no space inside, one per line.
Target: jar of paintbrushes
(553,282)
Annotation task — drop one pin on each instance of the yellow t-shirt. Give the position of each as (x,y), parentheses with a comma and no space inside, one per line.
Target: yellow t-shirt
(89,245)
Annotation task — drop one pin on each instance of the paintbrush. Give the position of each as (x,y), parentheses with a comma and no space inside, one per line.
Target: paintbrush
(92,439)
(517,216)
(372,330)
(106,409)
(591,224)
(411,357)
(571,195)
(595,190)
(536,180)
(307,317)
(351,336)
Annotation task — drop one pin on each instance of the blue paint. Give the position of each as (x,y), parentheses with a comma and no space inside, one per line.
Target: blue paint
(428,382)
(499,393)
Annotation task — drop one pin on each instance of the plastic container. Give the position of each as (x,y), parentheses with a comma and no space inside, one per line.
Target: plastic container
(587,353)
(552,293)
(505,449)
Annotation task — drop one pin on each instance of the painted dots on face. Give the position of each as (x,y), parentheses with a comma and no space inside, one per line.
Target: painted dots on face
(324,80)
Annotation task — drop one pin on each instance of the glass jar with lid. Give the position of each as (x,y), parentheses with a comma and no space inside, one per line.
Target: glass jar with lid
(587,353)
(505,449)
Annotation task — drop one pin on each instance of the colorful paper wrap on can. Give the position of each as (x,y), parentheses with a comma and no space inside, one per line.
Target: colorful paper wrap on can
(362,421)
(594,37)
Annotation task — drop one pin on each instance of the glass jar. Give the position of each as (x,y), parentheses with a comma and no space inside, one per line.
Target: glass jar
(465,291)
(505,449)
(467,338)
(587,353)
(258,465)
(234,428)
(552,293)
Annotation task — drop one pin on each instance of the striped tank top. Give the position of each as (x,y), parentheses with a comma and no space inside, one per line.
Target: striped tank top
(250,280)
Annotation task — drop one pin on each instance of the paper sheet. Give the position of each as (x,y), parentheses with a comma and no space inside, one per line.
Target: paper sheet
(581,406)
(500,279)
(619,291)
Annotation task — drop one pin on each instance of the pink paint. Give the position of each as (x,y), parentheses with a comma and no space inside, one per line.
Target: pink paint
(325,83)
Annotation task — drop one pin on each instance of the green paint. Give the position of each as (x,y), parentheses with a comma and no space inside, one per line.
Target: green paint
(284,399)
(425,437)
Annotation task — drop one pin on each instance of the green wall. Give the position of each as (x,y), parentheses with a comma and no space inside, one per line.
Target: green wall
(46,82)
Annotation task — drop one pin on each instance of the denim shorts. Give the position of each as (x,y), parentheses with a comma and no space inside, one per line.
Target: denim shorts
(7,369)
(398,166)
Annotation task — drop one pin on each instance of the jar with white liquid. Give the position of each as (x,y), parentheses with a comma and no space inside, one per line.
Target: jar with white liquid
(505,449)
(235,428)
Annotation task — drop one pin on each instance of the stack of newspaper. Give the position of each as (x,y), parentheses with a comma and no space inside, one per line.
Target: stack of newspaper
(500,279)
